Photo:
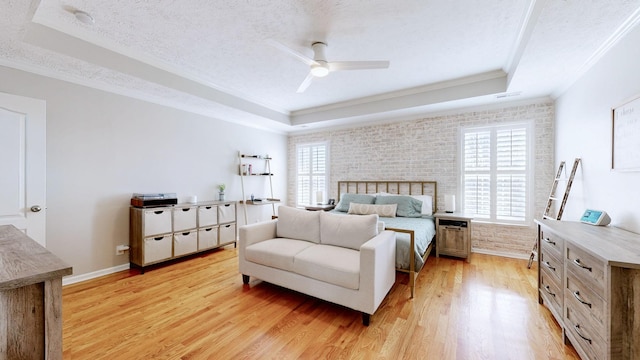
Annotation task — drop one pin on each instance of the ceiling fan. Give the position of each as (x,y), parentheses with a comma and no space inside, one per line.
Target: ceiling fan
(320,67)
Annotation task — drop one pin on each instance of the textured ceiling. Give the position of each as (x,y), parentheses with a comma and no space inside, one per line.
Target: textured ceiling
(215,57)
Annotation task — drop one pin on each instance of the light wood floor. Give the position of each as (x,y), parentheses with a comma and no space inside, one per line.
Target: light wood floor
(199,309)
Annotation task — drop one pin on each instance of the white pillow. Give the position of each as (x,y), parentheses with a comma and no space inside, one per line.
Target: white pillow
(427,203)
(346,230)
(384,210)
(298,224)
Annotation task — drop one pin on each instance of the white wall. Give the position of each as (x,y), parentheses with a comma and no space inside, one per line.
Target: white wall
(584,129)
(102,147)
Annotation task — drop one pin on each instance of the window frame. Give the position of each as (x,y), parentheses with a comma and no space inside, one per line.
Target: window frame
(494,173)
(312,191)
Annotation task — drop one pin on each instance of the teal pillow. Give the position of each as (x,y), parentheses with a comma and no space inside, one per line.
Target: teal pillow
(347,199)
(407,206)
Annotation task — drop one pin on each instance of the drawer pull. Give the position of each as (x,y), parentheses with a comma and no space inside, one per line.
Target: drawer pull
(546,263)
(186,233)
(227,205)
(209,229)
(577,328)
(576,294)
(158,212)
(549,241)
(456,228)
(228,226)
(207,207)
(186,209)
(578,263)
(548,290)
(158,238)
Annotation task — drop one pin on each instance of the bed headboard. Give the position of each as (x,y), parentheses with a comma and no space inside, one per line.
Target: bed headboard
(392,187)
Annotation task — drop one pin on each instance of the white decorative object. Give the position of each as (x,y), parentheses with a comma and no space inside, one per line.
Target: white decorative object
(449,203)
(319,196)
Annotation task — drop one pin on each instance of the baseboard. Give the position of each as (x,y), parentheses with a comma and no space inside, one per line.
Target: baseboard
(499,253)
(92,275)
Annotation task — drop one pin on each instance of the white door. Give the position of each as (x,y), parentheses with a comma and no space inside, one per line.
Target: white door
(23,164)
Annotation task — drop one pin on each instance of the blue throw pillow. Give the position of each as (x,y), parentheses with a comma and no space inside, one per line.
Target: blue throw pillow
(407,206)
(347,199)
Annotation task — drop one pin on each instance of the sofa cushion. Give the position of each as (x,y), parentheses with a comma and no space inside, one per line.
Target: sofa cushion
(278,253)
(331,264)
(350,231)
(298,224)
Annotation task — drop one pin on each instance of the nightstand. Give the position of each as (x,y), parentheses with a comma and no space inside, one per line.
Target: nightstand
(325,207)
(453,235)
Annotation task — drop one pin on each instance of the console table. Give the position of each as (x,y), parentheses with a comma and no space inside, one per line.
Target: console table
(30,298)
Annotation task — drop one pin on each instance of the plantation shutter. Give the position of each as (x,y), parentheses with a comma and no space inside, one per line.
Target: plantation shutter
(311,172)
(477,169)
(511,181)
(495,164)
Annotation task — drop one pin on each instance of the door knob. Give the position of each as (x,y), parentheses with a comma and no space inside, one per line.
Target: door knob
(36,208)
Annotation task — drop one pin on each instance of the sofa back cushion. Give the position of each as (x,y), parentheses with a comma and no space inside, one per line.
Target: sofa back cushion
(349,231)
(298,224)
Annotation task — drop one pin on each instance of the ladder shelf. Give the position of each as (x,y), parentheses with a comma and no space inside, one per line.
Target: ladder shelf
(554,197)
(246,168)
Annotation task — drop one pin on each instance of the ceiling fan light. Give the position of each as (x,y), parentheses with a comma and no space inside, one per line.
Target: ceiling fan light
(319,70)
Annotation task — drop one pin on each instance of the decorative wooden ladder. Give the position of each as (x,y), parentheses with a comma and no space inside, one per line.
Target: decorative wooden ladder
(553,197)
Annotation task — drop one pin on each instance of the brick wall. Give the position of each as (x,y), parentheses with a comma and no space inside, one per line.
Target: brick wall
(426,149)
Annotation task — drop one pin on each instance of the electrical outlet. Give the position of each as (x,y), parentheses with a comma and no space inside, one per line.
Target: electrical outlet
(120,249)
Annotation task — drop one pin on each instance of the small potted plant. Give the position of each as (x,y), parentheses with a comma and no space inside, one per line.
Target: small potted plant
(221,188)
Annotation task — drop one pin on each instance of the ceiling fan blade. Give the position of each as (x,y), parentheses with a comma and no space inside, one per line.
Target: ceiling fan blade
(305,84)
(357,65)
(305,59)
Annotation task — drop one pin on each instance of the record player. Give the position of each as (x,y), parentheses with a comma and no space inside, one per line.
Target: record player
(153,200)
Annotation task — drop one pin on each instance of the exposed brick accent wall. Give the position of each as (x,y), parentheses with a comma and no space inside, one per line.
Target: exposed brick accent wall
(426,149)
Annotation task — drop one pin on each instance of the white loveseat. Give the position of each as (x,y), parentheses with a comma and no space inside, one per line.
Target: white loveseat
(338,258)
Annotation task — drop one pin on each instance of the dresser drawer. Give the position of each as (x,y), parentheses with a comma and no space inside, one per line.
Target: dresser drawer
(157,248)
(551,293)
(157,222)
(185,243)
(226,213)
(580,298)
(184,218)
(586,337)
(551,243)
(552,264)
(207,237)
(207,215)
(586,267)
(227,233)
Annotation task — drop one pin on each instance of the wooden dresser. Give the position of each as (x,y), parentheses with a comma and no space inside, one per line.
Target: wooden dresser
(589,278)
(30,298)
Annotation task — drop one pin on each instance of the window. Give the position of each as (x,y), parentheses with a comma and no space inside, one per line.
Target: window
(311,173)
(495,173)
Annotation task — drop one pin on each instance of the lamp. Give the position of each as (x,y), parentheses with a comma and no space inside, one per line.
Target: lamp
(449,203)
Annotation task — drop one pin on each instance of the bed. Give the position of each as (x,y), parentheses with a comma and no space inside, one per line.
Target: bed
(415,236)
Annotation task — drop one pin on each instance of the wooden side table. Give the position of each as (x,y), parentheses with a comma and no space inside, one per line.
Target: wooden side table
(325,207)
(453,235)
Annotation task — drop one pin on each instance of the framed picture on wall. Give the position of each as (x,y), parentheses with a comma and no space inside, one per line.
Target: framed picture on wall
(625,152)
